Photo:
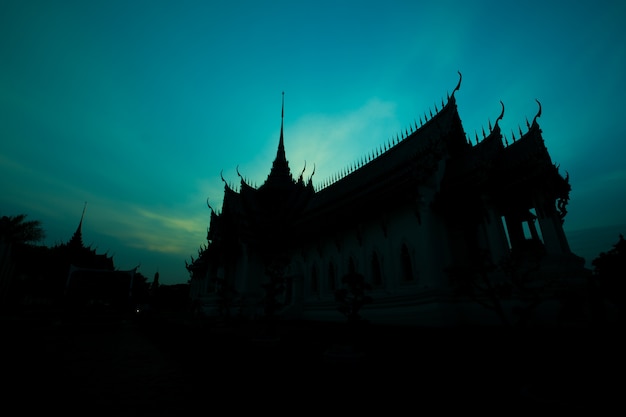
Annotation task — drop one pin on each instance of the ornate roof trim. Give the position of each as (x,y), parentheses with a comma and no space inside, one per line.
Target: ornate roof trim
(226,185)
(393,143)
(501,115)
(538,112)
(300,178)
(458,86)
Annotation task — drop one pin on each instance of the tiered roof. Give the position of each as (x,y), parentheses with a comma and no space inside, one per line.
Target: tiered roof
(284,209)
(76,253)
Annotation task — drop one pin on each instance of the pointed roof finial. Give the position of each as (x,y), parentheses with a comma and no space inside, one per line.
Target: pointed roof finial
(538,113)
(280,155)
(282,119)
(459,84)
(280,174)
(82,215)
(77,237)
(302,173)
(501,113)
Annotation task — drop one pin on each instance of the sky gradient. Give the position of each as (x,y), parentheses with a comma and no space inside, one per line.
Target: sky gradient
(135,107)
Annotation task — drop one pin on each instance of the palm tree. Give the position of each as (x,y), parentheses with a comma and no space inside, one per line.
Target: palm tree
(17,238)
(17,230)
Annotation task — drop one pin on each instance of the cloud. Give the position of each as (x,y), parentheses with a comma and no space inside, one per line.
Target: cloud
(176,231)
(168,222)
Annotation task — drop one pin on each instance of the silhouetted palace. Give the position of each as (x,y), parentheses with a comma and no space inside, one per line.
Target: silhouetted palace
(437,225)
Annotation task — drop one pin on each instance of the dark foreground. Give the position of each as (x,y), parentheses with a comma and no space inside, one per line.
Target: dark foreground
(183,367)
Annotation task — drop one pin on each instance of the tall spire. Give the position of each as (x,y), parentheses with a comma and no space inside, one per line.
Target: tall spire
(281,142)
(82,216)
(77,238)
(280,173)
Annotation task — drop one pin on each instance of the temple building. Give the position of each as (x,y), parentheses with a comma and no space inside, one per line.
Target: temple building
(91,280)
(438,226)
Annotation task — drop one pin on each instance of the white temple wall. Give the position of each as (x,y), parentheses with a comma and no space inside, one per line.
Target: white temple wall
(249,274)
(350,249)
(402,229)
(329,259)
(340,248)
(196,289)
(434,248)
(298,268)
(203,284)
(301,263)
(374,242)
(240,271)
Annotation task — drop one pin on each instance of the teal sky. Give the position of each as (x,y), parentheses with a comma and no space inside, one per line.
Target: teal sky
(135,107)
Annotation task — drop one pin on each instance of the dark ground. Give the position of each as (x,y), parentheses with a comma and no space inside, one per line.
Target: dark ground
(182,367)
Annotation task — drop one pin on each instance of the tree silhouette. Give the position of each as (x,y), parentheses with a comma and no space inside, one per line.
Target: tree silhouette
(609,275)
(515,277)
(17,230)
(351,297)
(274,287)
(20,257)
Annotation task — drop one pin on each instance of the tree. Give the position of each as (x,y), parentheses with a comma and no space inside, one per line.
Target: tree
(16,230)
(274,287)
(351,298)
(515,277)
(609,275)
(19,256)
